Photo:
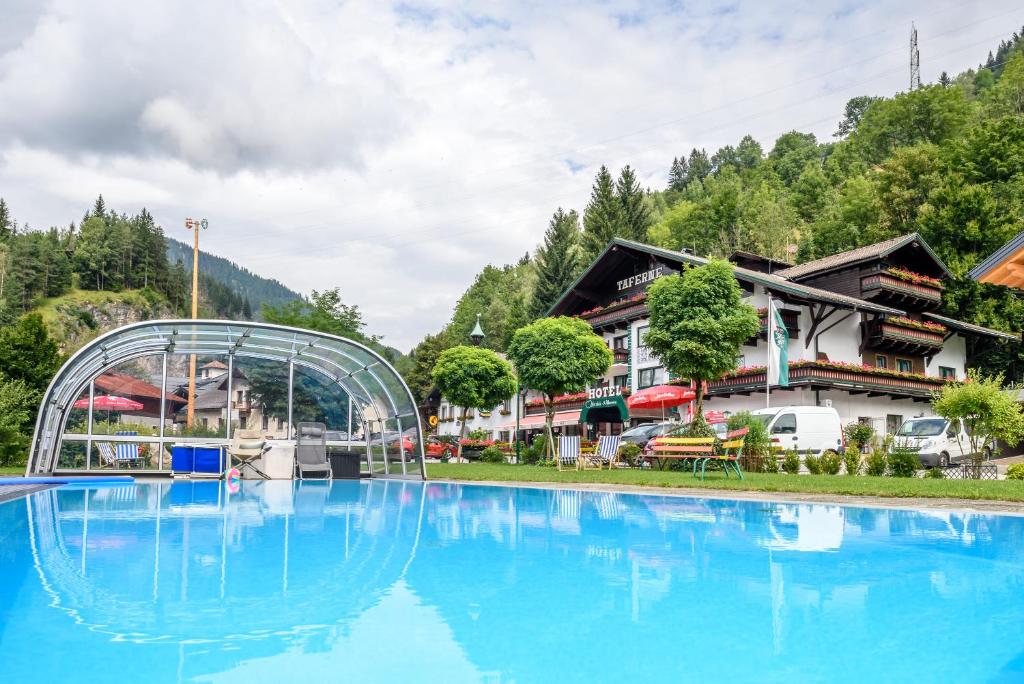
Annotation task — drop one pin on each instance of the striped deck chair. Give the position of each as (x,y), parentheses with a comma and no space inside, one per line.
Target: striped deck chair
(606,453)
(732,449)
(568,451)
(126,454)
(689,450)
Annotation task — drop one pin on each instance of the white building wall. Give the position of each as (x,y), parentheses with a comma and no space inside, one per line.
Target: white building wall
(953,354)
(841,343)
(492,424)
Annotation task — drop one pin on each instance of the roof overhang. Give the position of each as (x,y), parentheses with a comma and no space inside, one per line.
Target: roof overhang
(1004,267)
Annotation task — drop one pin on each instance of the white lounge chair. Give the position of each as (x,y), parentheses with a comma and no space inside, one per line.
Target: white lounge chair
(568,451)
(605,454)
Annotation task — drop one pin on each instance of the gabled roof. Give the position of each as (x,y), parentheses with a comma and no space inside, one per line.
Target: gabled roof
(130,386)
(972,328)
(768,280)
(1008,256)
(859,254)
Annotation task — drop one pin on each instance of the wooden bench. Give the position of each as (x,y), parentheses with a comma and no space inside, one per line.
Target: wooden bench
(732,449)
(685,449)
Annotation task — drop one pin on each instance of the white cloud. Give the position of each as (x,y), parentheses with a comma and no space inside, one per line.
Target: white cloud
(392,151)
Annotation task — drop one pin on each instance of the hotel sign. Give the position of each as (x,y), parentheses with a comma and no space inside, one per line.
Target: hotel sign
(641,278)
(604,392)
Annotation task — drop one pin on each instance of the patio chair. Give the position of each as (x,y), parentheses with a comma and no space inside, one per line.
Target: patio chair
(732,449)
(568,451)
(605,454)
(688,450)
(311,451)
(246,447)
(127,453)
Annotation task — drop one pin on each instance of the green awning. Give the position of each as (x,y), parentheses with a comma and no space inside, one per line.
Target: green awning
(605,409)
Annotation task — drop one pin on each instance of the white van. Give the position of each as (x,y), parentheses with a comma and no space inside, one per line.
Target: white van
(936,441)
(804,428)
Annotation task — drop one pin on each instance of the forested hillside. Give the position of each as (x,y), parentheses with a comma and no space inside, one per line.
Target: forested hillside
(225,280)
(945,160)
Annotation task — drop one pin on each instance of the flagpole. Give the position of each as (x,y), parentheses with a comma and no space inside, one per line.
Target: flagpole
(768,365)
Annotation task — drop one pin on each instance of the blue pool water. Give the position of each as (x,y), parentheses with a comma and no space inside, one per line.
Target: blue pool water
(404,581)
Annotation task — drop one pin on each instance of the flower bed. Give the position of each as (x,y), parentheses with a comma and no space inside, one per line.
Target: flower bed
(919,325)
(476,443)
(912,277)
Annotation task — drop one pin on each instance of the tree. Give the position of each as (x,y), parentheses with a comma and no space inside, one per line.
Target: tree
(853,113)
(1006,98)
(792,153)
(28,353)
(6,224)
(557,261)
(988,411)
(473,378)
(246,310)
(17,407)
(678,174)
(418,367)
(602,219)
(699,164)
(325,312)
(698,323)
(749,152)
(556,356)
(726,156)
(930,114)
(636,217)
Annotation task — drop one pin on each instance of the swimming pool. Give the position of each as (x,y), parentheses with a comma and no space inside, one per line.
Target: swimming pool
(406,581)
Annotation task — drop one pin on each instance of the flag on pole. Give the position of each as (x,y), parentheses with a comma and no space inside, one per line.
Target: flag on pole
(778,348)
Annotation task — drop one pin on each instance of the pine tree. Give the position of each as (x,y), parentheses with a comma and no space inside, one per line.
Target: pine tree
(6,225)
(99,209)
(246,310)
(678,174)
(700,165)
(602,219)
(636,217)
(557,261)
(749,152)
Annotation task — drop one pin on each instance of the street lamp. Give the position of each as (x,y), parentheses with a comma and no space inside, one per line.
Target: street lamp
(477,336)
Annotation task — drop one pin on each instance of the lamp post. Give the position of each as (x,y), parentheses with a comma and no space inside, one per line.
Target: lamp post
(194,225)
(477,336)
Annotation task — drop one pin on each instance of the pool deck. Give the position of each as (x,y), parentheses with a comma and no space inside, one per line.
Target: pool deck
(10,492)
(917,503)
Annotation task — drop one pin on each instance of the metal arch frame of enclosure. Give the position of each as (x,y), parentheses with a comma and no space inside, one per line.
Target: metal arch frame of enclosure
(373,386)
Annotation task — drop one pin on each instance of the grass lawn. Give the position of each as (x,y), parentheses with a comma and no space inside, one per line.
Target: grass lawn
(1001,490)
(7,471)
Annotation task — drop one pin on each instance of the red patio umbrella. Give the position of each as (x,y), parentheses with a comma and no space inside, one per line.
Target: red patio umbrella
(110,402)
(660,396)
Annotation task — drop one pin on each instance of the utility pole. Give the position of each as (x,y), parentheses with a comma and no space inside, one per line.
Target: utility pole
(915,59)
(194,226)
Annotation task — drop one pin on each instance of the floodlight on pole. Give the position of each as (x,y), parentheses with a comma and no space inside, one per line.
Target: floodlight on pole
(194,225)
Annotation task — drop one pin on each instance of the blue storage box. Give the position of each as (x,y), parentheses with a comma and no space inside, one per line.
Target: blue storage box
(197,458)
(182,458)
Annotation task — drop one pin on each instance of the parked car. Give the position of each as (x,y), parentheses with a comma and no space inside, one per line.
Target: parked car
(936,441)
(804,428)
(641,434)
(439,448)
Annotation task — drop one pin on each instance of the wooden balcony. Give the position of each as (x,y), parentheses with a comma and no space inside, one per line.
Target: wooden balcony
(791,319)
(621,355)
(895,336)
(888,289)
(613,316)
(823,375)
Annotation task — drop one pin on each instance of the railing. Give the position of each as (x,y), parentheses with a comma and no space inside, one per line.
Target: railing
(889,283)
(899,332)
(810,373)
(570,405)
(971,471)
(621,355)
(616,313)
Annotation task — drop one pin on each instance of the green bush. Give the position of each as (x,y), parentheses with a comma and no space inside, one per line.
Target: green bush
(535,452)
(791,462)
(877,463)
(699,427)
(629,453)
(934,473)
(757,442)
(903,463)
(859,435)
(1015,472)
(851,459)
(492,454)
(813,463)
(830,462)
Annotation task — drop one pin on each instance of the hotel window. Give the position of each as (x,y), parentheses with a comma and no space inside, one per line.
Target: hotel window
(892,423)
(881,361)
(507,405)
(620,342)
(620,381)
(947,373)
(904,365)
(648,377)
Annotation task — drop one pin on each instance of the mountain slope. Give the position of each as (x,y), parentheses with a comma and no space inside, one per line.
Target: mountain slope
(241,280)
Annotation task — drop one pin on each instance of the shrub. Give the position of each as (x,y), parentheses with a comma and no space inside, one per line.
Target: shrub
(630,454)
(830,462)
(934,473)
(851,459)
(813,463)
(699,427)
(1015,472)
(903,463)
(492,454)
(791,462)
(533,453)
(877,463)
(859,435)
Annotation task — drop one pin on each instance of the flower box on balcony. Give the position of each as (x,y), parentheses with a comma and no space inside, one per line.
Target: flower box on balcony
(832,373)
(621,355)
(895,284)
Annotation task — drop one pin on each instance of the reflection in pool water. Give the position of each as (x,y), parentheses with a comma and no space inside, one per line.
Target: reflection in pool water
(406,581)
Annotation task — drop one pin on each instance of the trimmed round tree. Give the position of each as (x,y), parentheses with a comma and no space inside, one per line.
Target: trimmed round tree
(698,323)
(989,412)
(473,377)
(558,356)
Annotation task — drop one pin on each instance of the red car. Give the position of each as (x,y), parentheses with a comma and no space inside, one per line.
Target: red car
(435,448)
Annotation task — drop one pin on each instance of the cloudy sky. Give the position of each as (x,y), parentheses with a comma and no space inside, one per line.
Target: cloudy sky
(394,149)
